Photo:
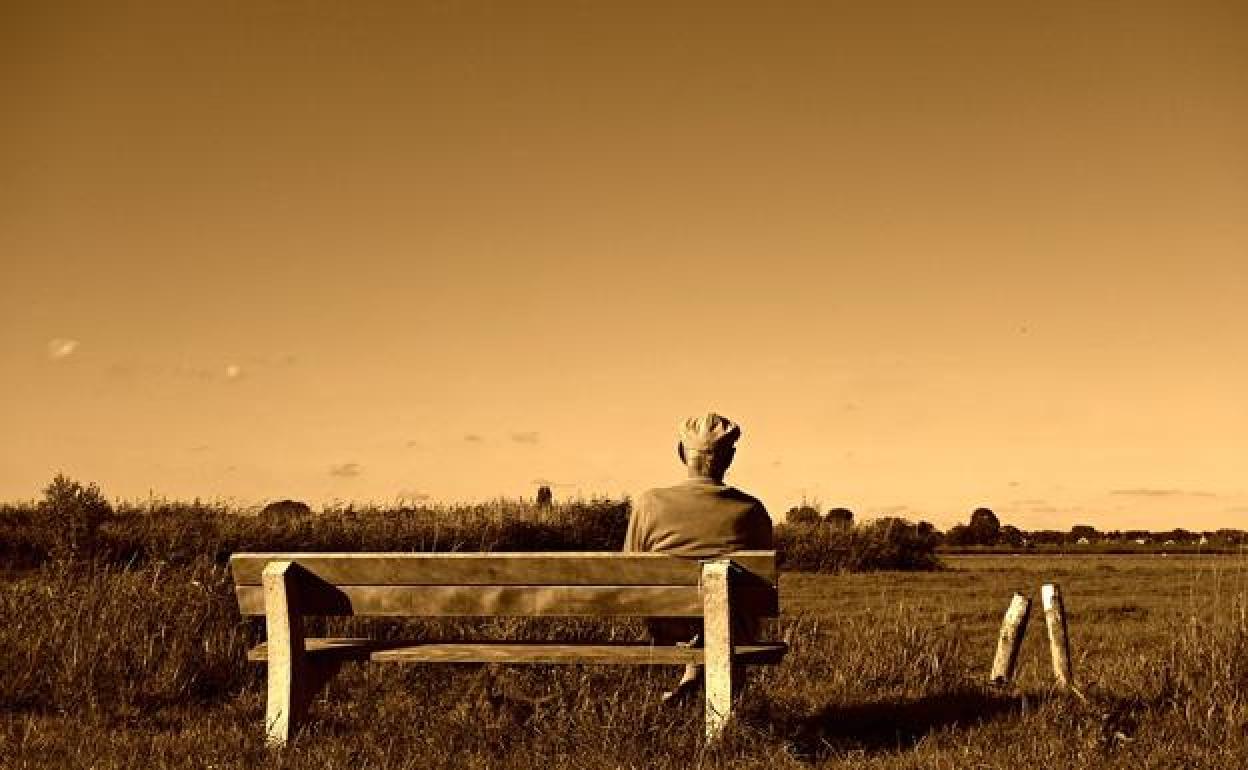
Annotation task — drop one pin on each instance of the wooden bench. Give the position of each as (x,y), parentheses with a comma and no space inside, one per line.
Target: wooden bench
(285,587)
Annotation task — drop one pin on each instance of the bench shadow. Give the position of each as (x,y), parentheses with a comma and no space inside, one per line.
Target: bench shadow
(895,725)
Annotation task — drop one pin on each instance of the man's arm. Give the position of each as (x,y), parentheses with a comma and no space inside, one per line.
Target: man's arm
(635,537)
(761,536)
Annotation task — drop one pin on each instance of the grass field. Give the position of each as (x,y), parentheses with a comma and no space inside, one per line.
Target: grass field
(109,668)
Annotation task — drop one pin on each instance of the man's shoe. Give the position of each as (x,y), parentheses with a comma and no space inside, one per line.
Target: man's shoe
(685,691)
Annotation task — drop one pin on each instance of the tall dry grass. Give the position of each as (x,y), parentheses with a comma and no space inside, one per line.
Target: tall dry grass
(181,533)
(108,667)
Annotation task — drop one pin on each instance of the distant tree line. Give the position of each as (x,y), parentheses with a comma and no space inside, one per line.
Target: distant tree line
(985,529)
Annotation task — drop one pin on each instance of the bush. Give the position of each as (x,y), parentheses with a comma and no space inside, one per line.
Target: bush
(72,514)
(888,543)
(802,515)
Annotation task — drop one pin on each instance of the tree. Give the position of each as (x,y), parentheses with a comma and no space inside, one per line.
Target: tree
(1012,536)
(959,534)
(802,515)
(1232,536)
(839,518)
(1081,531)
(985,527)
(75,513)
(1048,536)
(545,498)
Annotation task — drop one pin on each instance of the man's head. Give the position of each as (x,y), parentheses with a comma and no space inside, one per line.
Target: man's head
(707,445)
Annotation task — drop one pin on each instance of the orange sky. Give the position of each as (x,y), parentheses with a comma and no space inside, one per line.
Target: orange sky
(930,255)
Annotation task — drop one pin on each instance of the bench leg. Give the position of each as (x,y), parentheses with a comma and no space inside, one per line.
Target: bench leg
(717,646)
(292,676)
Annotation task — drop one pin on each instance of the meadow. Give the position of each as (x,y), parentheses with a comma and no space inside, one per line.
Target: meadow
(118,659)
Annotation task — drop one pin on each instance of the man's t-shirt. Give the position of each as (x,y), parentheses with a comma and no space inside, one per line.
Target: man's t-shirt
(698,519)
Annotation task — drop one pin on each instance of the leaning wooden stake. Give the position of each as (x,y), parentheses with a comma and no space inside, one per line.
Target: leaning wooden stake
(1013,627)
(1059,643)
(717,646)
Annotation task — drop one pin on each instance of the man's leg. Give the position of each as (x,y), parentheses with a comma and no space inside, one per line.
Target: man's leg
(683,633)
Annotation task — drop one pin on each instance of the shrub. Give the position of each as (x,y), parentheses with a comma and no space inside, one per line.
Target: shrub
(802,515)
(839,518)
(284,509)
(72,513)
(888,543)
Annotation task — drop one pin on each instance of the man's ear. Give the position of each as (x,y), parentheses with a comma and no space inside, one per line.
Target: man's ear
(680,452)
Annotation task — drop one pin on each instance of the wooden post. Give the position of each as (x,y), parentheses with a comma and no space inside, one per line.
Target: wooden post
(1059,642)
(288,669)
(717,646)
(1013,628)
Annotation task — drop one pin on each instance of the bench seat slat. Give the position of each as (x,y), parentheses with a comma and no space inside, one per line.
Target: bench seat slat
(558,568)
(509,601)
(523,652)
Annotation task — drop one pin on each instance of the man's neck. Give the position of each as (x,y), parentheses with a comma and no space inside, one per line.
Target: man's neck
(697,478)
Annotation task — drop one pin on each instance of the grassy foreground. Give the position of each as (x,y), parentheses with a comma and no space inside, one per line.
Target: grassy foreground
(106,667)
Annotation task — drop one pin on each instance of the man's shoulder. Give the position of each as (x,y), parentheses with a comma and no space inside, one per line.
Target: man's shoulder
(687,491)
(740,494)
(659,493)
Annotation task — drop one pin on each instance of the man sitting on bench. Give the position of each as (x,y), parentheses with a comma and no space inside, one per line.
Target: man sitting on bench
(700,518)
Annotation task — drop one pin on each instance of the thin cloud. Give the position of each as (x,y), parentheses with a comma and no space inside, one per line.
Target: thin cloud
(1032,501)
(412,444)
(413,496)
(473,438)
(121,370)
(890,510)
(1151,492)
(274,359)
(1238,509)
(525,437)
(199,448)
(61,347)
(194,372)
(346,470)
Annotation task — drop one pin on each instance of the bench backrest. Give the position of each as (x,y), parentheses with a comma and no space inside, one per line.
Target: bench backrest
(506,584)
